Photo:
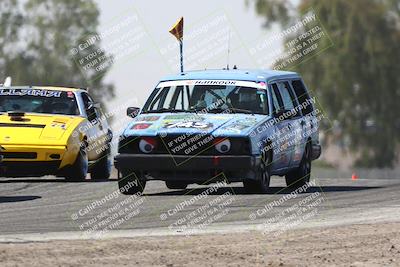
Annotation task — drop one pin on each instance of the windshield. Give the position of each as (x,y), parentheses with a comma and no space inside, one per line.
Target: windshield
(38,101)
(208,98)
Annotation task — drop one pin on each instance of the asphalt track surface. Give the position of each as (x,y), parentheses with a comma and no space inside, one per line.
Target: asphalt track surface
(48,204)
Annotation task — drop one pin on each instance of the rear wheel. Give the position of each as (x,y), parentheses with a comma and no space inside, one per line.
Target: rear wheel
(301,175)
(78,171)
(261,184)
(102,168)
(131,183)
(176,185)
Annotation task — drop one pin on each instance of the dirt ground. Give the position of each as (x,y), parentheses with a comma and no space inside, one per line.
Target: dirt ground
(356,245)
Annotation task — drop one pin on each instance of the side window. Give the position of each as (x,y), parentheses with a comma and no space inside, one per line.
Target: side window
(86,100)
(92,113)
(277,103)
(302,96)
(287,97)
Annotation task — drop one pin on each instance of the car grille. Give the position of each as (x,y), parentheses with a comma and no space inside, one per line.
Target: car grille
(174,145)
(19,155)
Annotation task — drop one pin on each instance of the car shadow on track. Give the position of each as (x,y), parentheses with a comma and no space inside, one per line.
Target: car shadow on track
(46,180)
(17,199)
(273,190)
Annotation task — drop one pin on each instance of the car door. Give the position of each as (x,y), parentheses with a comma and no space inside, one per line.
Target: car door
(95,131)
(294,135)
(105,134)
(280,144)
(307,122)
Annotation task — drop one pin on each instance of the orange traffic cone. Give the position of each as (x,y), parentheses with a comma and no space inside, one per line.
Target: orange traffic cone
(354,176)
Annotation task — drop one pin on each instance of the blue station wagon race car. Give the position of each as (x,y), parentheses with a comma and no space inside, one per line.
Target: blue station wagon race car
(232,125)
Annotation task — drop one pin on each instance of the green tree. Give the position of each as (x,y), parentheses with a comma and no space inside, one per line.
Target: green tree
(47,32)
(10,23)
(358,79)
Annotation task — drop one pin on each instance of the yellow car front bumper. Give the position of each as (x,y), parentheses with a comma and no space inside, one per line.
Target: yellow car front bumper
(24,160)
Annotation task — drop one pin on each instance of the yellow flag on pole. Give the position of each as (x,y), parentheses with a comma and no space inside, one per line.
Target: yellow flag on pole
(177,29)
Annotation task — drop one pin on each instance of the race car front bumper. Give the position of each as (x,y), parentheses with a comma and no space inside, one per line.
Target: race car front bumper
(30,152)
(31,160)
(168,167)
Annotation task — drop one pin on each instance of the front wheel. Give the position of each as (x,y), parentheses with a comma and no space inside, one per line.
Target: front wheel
(131,183)
(102,168)
(301,176)
(78,171)
(261,184)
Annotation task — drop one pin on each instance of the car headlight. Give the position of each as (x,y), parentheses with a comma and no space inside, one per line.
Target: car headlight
(140,126)
(222,145)
(147,145)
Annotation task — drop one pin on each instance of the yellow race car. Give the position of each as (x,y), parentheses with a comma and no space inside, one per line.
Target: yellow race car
(53,131)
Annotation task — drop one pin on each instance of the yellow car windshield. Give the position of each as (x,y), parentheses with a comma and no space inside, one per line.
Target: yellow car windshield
(38,101)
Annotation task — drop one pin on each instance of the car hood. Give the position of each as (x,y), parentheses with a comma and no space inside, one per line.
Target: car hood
(37,129)
(152,124)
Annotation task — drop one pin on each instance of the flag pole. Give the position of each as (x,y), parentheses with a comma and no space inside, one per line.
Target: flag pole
(181,52)
(177,31)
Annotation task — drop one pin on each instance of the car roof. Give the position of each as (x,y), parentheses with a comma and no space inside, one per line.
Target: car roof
(50,88)
(241,75)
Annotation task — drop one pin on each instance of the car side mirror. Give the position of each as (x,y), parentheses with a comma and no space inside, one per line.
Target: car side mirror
(132,112)
(96,105)
(93,106)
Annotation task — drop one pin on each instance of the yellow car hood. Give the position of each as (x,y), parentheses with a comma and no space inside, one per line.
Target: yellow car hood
(37,129)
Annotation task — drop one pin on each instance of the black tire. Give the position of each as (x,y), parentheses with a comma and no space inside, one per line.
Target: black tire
(101,170)
(79,170)
(261,184)
(130,183)
(176,185)
(301,175)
